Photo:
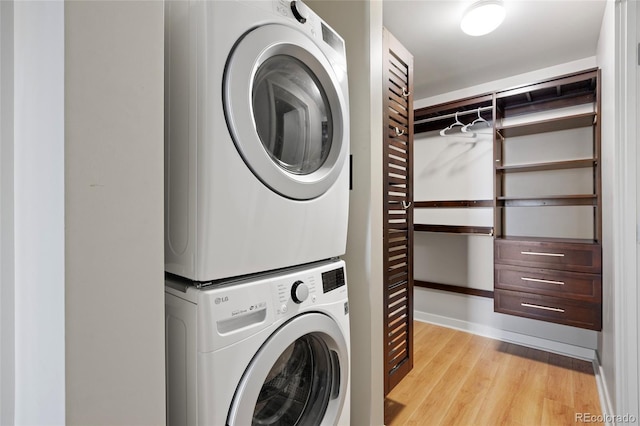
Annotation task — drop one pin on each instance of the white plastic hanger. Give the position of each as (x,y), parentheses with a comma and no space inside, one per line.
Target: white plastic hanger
(465,128)
(457,123)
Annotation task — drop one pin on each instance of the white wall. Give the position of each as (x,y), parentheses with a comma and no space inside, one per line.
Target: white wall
(114,62)
(39,212)
(634,400)
(476,314)
(33,362)
(360,24)
(7,252)
(455,167)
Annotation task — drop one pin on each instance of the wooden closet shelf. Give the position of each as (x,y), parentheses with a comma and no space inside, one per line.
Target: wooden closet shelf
(549,125)
(454,229)
(439,116)
(454,288)
(551,165)
(582,81)
(452,204)
(451,107)
(546,105)
(550,200)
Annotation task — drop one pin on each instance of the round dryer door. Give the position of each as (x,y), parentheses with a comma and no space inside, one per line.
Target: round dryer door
(298,377)
(286,111)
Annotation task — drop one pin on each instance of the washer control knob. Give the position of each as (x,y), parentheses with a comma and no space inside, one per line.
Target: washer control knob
(299,292)
(300,11)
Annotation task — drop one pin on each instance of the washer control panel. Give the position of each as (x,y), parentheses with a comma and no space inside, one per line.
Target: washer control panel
(333,279)
(309,288)
(243,307)
(291,293)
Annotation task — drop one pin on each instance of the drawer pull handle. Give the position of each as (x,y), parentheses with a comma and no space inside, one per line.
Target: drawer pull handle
(538,280)
(546,308)
(535,253)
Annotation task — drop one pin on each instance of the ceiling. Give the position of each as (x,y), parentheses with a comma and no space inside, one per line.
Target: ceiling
(535,34)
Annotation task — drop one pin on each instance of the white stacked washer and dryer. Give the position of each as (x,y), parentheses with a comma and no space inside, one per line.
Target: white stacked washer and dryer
(257,177)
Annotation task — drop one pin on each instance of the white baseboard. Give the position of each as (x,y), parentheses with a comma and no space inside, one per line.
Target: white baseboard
(510,337)
(605,399)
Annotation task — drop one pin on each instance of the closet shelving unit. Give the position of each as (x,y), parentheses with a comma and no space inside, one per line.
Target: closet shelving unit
(547,200)
(434,118)
(544,268)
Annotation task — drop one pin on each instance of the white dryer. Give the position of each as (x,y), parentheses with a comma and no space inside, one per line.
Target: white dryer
(257,138)
(269,352)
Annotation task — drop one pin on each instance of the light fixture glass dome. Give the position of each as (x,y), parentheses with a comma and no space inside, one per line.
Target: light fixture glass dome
(483,17)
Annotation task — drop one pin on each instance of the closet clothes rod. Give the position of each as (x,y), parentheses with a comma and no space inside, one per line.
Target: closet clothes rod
(454,114)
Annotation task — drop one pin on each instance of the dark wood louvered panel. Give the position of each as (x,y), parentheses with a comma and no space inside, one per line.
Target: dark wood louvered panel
(398,212)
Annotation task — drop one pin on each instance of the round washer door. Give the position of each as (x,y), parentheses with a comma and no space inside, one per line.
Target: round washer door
(298,377)
(286,112)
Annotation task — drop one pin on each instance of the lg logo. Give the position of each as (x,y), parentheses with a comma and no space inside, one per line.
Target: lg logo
(219,300)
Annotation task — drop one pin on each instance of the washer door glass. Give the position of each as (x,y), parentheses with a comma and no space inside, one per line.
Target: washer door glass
(286,110)
(298,377)
(298,386)
(292,114)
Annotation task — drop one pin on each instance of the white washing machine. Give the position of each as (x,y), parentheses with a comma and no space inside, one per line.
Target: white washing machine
(257,138)
(269,352)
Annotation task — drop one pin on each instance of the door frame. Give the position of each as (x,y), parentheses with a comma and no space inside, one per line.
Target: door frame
(626,399)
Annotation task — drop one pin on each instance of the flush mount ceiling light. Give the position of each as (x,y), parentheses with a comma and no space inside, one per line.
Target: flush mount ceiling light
(483,17)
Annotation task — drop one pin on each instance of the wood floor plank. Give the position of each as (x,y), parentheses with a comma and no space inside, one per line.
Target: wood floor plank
(463,379)
(465,406)
(428,342)
(532,388)
(440,359)
(556,413)
(446,388)
(502,389)
(560,372)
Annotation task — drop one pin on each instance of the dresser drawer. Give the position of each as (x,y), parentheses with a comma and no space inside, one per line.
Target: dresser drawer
(575,257)
(548,308)
(571,285)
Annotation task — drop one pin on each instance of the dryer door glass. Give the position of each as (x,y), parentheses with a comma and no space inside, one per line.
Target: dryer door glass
(286,107)
(292,114)
(298,386)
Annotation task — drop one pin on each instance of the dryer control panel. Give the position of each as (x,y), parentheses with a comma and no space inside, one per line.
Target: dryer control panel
(299,11)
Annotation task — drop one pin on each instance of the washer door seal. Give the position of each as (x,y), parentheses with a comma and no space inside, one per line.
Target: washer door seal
(286,111)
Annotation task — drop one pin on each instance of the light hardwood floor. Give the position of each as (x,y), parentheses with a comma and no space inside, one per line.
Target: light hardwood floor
(463,379)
